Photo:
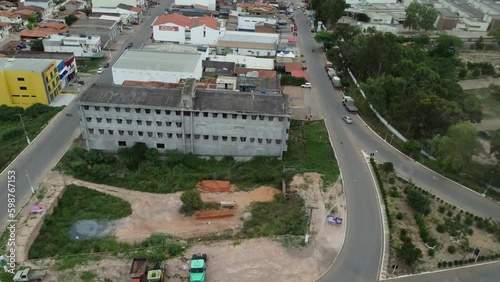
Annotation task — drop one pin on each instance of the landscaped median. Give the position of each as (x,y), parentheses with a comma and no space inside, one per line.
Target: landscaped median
(428,234)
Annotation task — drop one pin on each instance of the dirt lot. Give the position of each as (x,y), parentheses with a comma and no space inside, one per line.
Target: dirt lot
(264,259)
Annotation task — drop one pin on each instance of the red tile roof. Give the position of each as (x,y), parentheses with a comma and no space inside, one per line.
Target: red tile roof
(182,20)
(4,24)
(289,67)
(44,29)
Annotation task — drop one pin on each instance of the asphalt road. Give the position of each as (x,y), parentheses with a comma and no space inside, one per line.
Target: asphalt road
(360,257)
(51,144)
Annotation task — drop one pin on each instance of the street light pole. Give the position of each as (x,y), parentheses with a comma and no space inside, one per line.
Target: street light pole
(24,128)
(29,180)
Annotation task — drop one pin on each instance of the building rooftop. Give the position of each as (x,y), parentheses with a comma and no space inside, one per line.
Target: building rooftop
(170,47)
(242,36)
(45,29)
(247,45)
(184,21)
(215,68)
(60,37)
(214,100)
(93,23)
(34,65)
(169,62)
(37,55)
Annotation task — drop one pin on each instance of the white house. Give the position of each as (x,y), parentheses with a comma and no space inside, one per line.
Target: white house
(127,13)
(245,61)
(138,65)
(180,29)
(79,45)
(248,44)
(45,4)
(211,4)
(247,22)
(115,3)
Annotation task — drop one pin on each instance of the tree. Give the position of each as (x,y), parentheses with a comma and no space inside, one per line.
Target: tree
(70,19)
(33,18)
(191,200)
(495,145)
(446,44)
(37,46)
(62,8)
(412,147)
(362,17)
(134,156)
(418,201)
(420,16)
(323,36)
(496,34)
(331,11)
(409,253)
(455,150)
(345,32)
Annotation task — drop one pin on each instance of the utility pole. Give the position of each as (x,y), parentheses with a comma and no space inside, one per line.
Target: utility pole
(24,128)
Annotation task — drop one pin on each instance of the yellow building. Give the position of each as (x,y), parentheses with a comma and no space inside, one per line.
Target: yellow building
(24,82)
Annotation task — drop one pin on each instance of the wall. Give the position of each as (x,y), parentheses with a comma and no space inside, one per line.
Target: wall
(105,34)
(247,52)
(208,3)
(174,33)
(76,50)
(189,132)
(248,23)
(120,75)
(211,36)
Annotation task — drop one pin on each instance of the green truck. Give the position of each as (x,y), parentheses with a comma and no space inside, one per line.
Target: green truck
(198,268)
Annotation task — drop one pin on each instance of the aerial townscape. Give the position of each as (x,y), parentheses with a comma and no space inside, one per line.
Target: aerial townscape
(249,141)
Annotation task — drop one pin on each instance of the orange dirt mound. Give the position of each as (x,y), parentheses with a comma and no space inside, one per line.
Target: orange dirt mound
(213,186)
(213,214)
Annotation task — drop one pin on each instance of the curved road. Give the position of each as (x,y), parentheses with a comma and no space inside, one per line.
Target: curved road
(360,257)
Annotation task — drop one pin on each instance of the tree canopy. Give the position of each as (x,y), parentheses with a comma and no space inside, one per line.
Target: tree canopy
(328,11)
(70,19)
(420,16)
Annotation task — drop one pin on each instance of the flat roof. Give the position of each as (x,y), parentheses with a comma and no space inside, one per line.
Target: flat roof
(213,100)
(242,36)
(249,45)
(98,23)
(38,55)
(58,38)
(35,65)
(169,62)
(170,47)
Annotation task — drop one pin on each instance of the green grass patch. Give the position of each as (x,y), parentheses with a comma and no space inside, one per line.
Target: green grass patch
(78,203)
(12,137)
(490,103)
(6,276)
(71,262)
(90,66)
(283,216)
(144,170)
(87,276)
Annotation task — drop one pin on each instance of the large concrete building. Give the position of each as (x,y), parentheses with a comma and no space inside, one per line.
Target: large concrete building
(180,29)
(139,65)
(190,120)
(24,82)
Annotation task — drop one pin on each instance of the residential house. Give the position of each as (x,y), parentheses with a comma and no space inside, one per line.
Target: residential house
(256,8)
(247,44)
(210,4)
(248,23)
(18,17)
(74,5)
(5,5)
(5,29)
(128,13)
(105,27)
(185,30)
(114,3)
(80,45)
(44,29)
(44,4)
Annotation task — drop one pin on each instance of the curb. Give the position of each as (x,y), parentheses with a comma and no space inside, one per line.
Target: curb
(385,225)
(345,192)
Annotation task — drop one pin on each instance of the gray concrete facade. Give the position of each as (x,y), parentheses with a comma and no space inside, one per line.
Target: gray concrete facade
(190,120)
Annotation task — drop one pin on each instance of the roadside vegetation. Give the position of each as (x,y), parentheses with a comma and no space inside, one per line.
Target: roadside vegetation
(427,233)
(12,137)
(90,65)
(411,82)
(144,169)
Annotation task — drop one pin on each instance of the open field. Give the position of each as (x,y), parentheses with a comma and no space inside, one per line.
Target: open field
(444,235)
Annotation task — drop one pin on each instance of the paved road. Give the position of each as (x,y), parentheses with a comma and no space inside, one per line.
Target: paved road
(483,273)
(51,144)
(360,257)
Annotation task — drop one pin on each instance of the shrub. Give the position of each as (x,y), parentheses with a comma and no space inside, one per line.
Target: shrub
(418,201)
(399,215)
(291,80)
(471,260)
(470,231)
(442,209)
(449,213)
(451,249)
(469,220)
(440,228)
(393,192)
(388,167)
(174,249)
(455,262)
(391,180)
(191,200)
(431,252)
(450,264)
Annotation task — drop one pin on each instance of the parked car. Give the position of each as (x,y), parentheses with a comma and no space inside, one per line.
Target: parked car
(306,85)
(100,70)
(347,119)
(130,44)
(106,65)
(484,134)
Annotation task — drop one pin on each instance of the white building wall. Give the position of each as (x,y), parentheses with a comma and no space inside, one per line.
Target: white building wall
(249,52)
(114,3)
(248,23)
(208,3)
(169,33)
(203,35)
(120,75)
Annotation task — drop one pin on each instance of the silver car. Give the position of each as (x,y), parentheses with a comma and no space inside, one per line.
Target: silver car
(347,119)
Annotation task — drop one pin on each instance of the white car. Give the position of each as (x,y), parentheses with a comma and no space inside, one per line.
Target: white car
(100,70)
(347,119)
(306,85)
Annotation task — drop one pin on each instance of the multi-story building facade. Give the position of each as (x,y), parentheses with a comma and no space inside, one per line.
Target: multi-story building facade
(24,82)
(210,4)
(190,120)
(114,3)
(181,29)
